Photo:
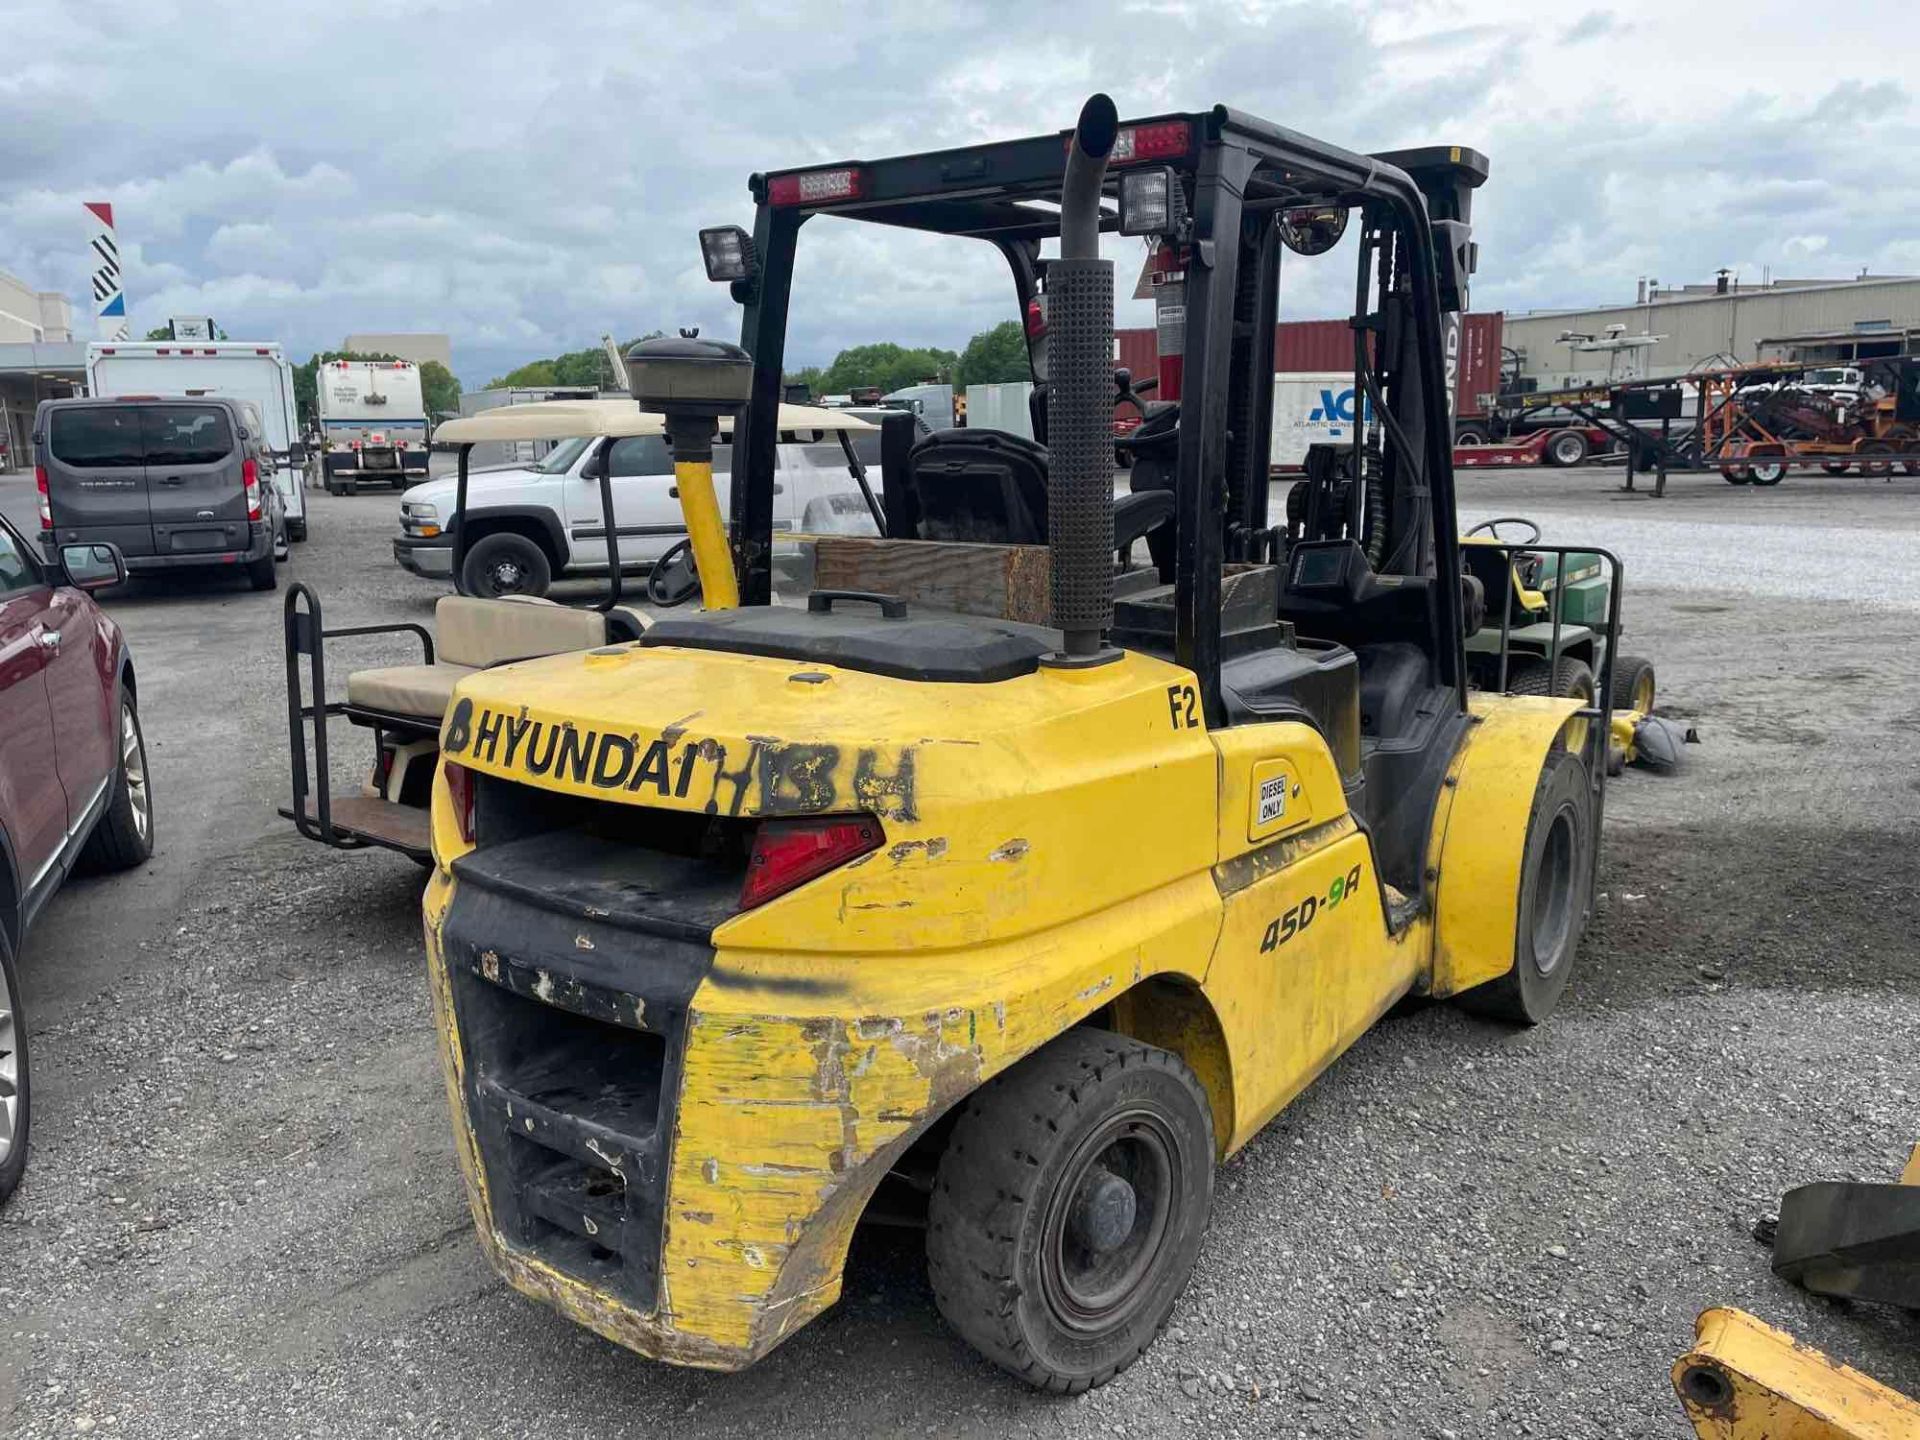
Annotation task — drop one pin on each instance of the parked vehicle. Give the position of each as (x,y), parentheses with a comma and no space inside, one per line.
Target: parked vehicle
(528,525)
(235,370)
(73,770)
(1006,406)
(173,483)
(374,422)
(932,403)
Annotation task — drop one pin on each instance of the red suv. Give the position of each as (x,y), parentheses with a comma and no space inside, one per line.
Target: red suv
(73,769)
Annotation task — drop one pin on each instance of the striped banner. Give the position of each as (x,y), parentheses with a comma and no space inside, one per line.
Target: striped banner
(109,299)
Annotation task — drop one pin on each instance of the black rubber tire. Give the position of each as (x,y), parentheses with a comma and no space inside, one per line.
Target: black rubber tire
(1567,449)
(1876,459)
(1836,467)
(297,531)
(117,842)
(1736,474)
(13,1037)
(1003,1192)
(260,573)
(1553,899)
(330,485)
(493,556)
(1469,435)
(1528,675)
(1629,673)
(1768,472)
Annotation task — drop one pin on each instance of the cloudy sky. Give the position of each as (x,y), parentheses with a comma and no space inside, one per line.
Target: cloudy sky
(525,176)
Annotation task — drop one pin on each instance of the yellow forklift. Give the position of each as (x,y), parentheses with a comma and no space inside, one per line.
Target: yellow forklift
(898,904)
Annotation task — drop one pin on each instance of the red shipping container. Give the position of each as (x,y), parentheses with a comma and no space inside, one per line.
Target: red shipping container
(1307,346)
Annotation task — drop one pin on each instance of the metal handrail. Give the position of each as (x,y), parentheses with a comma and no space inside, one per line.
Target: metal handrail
(304,635)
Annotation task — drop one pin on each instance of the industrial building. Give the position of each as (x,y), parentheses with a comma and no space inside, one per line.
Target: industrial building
(39,360)
(1674,330)
(419,348)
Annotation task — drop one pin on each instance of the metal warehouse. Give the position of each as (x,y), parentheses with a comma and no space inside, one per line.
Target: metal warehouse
(1670,331)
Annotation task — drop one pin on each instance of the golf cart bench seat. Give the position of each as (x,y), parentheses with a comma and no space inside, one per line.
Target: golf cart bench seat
(473,634)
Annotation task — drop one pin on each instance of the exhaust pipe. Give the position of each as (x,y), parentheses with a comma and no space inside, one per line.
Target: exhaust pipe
(1080,400)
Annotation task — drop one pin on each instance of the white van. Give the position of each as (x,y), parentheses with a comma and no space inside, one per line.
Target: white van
(529,525)
(230,369)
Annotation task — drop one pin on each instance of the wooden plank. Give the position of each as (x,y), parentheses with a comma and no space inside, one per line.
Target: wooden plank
(367,817)
(1008,582)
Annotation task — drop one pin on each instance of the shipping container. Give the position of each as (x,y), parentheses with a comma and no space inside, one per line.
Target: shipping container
(1316,347)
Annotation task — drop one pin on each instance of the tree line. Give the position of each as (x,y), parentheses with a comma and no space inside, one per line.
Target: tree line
(995,355)
(991,357)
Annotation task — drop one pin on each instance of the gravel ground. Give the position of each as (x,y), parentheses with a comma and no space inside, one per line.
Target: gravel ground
(243,1215)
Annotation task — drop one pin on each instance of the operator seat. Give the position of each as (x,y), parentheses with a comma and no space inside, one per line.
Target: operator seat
(990,487)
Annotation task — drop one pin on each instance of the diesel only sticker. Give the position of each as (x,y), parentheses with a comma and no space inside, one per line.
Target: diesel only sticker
(1273,800)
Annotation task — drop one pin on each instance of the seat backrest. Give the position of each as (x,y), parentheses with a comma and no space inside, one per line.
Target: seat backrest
(983,486)
(479,632)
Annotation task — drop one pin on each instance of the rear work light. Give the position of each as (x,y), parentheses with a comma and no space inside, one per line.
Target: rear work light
(250,477)
(460,792)
(46,499)
(816,187)
(788,853)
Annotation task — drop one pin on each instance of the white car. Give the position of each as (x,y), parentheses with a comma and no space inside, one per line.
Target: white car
(528,525)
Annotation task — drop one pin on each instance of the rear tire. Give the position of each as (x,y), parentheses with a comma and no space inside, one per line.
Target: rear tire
(1070,1206)
(1567,448)
(1468,435)
(16,1089)
(123,838)
(1736,474)
(260,573)
(1768,472)
(1555,871)
(505,564)
(1633,687)
(297,531)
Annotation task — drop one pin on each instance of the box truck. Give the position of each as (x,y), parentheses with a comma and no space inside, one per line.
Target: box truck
(373,424)
(231,369)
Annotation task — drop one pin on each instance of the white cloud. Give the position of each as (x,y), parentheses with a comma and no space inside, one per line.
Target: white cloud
(525,177)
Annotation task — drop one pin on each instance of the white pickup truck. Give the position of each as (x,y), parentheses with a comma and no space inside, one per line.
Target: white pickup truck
(528,525)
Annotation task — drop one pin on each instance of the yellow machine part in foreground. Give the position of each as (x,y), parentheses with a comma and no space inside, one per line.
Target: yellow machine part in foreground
(1062,845)
(1745,1380)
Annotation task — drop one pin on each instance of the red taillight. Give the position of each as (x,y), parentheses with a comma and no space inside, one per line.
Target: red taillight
(460,791)
(788,853)
(1164,140)
(816,187)
(250,477)
(46,500)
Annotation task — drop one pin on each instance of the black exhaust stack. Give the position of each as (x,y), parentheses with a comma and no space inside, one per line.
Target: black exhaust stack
(1080,401)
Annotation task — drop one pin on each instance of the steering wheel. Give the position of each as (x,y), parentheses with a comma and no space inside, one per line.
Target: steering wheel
(1492,527)
(673,579)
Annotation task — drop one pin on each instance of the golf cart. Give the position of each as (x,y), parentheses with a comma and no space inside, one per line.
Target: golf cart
(897,906)
(404,705)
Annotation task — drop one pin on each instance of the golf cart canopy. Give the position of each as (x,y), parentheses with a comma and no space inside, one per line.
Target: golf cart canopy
(616,419)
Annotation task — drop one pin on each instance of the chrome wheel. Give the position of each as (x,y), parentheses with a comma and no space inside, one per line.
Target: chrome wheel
(9,1068)
(133,765)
